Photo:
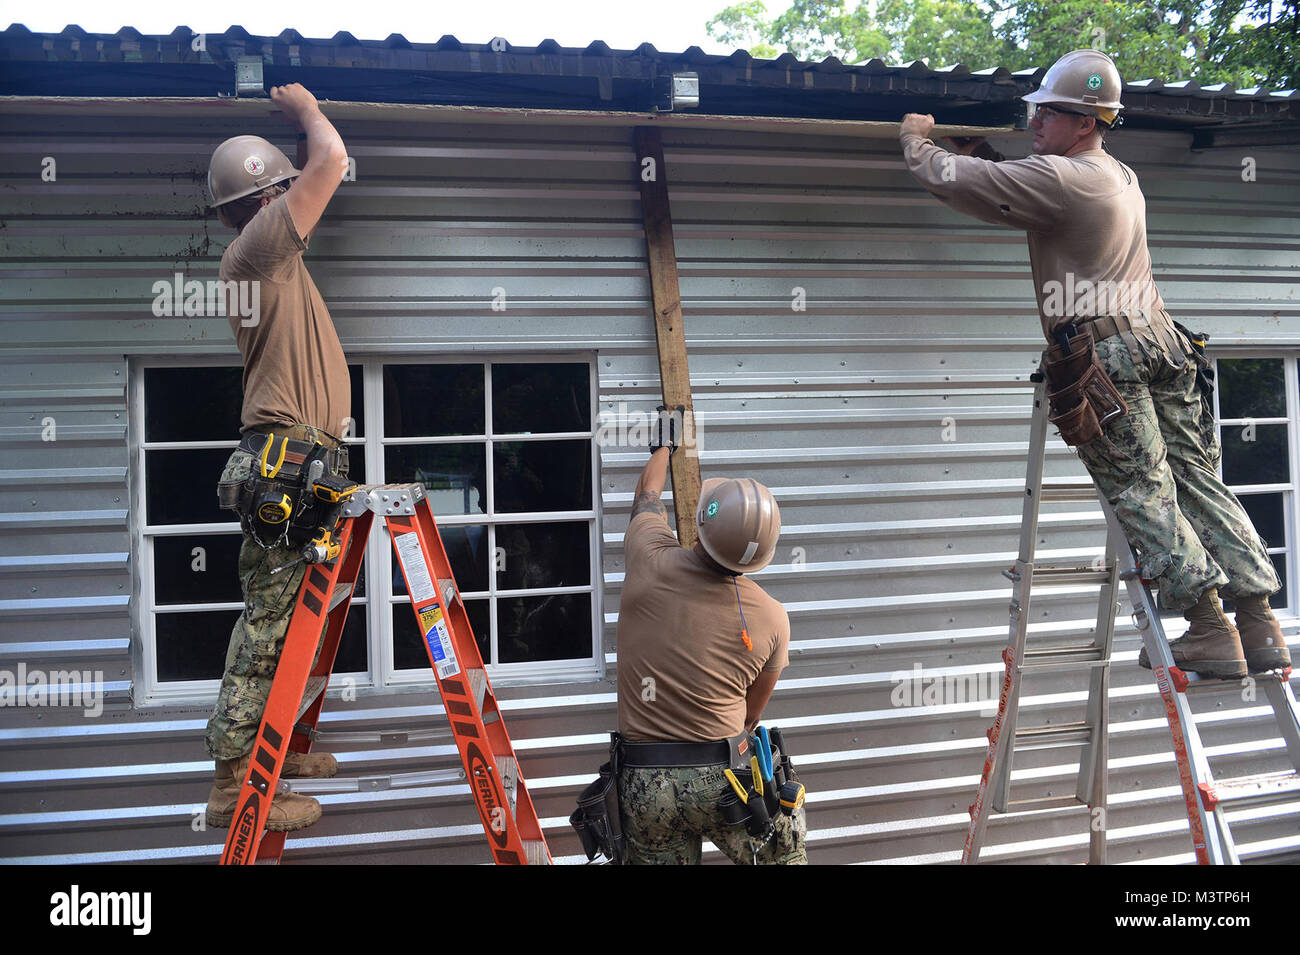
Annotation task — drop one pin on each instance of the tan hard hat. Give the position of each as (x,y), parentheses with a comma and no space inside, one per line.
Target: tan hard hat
(738,523)
(244,165)
(1083,78)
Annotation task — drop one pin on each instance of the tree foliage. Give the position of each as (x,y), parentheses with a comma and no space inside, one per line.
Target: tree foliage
(1242,42)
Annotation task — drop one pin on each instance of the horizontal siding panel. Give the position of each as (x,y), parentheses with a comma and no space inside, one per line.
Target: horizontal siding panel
(916,319)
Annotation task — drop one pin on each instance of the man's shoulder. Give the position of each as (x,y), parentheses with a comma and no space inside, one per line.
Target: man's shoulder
(268,245)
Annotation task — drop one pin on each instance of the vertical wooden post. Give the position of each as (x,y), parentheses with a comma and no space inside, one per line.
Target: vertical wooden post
(670,335)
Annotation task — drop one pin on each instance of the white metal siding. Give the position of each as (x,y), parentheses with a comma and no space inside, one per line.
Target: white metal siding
(916,318)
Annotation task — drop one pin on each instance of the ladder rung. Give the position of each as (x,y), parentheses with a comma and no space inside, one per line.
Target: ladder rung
(340,594)
(535,852)
(1044,802)
(1261,787)
(314,685)
(1078,732)
(1068,491)
(508,771)
(448,588)
(371,784)
(1073,663)
(1076,650)
(477,678)
(1071,575)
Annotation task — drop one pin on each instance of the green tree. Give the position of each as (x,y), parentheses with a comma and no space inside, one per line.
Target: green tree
(1242,42)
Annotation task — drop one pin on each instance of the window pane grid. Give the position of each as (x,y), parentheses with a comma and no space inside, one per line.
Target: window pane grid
(1267,383)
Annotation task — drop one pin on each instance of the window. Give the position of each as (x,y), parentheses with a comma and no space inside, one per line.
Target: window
(506,450)
(1257,404)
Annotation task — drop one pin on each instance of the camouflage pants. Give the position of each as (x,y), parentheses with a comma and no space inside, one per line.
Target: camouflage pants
(668,812)
(1158,467)
(257,639)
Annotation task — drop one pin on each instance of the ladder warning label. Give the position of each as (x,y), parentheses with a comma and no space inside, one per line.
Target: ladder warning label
(439,641)
(413,566)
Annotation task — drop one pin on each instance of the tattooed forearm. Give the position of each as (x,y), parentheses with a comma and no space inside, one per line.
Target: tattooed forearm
(647,502)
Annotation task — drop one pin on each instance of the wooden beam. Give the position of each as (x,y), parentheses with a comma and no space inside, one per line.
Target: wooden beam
(231,107)
(670,334)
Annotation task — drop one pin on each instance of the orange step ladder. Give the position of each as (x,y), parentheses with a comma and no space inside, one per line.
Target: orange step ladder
(293,708)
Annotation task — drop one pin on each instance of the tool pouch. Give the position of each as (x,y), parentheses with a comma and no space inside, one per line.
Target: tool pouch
(1080,394)
(596,820)
(1204,367)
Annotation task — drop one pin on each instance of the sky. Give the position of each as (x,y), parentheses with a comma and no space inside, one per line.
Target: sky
(671,25)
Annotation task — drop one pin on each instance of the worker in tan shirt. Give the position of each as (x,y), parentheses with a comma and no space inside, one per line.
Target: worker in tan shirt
(296,387)
(1085,218)
(700,648)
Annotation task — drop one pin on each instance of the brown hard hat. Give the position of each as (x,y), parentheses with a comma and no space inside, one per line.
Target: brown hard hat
(244,165)
(1086,79)
(738,523)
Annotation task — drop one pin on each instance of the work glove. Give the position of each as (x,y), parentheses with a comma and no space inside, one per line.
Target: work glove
(665,432)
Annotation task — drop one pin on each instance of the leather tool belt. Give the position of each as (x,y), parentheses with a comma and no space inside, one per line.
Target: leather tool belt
(296,452)
(1081,396)
(293,497)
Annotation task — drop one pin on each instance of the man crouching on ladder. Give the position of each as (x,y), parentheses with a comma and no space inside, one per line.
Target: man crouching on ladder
(1157,464)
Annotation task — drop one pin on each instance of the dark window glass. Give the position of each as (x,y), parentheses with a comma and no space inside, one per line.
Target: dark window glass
(554,627)
(467,550)
(432,400)
(453,474)
(533,399)
(1263,460)
(353,655)
(357,464)
(1266,512)
(192,404)
(1252,388)
(409,651)
(182,577)
(542,475)
(357,428)
(182,486)
(543,555)
(192,646)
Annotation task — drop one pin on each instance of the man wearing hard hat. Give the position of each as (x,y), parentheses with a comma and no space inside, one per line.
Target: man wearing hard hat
(700,648)
(296,387)
(1157,464)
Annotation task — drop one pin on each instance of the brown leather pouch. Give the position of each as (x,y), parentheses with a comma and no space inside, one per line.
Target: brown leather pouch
(1081,396)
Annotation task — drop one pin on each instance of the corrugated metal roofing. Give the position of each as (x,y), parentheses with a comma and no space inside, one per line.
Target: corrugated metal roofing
(737,82)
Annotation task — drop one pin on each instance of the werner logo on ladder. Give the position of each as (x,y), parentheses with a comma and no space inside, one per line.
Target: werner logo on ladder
(289,723)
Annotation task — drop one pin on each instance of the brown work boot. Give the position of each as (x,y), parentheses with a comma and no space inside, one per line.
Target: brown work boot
(289,811)
(1211,647)
(309,765)
(1261,635)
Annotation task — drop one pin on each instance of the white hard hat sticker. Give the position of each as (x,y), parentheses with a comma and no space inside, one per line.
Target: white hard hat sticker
(746,557)
(254,166)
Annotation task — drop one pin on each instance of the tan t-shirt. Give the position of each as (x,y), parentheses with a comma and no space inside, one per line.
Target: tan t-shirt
(679,626)
(294,369)
(1085,217)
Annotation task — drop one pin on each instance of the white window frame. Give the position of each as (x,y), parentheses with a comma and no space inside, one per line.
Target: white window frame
(380,678)
(1289,491)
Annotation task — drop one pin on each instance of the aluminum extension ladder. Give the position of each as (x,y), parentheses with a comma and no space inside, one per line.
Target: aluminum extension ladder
(1205,798)
(293,708)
